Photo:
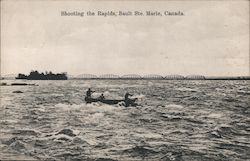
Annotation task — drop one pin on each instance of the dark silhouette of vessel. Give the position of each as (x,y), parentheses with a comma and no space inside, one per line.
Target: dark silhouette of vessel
(35,75)
(129,102)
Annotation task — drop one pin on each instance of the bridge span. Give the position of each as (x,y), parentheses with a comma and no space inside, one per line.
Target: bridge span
(138,77)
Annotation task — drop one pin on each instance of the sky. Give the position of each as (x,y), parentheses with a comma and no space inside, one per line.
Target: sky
(211,39)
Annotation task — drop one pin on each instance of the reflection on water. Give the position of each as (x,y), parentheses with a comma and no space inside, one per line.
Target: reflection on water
(177,120)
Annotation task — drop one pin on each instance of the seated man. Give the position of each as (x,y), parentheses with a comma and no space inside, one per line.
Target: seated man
(127,95)
(89,92)
(102,97)
(127,100)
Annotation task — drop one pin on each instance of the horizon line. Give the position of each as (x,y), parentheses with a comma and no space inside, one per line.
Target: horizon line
(138,75)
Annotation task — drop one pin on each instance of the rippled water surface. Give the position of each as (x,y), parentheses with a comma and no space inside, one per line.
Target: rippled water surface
(176,120)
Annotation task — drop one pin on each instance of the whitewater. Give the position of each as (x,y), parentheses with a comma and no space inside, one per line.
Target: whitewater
(185,120)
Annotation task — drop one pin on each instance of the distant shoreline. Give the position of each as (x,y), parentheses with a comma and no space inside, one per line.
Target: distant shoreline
(156,79)
(138,77)
(125,79)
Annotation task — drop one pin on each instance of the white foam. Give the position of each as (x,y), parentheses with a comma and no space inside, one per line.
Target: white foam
(97,115)
(8,121)
(106,93)
(186,89)
(57,94)
(114,89)
(96,94)
(173,106)
(149,135)
(100,107)
(215,115)
(57,137)
(61,105)
(139,96)
(69,107)
(150,84)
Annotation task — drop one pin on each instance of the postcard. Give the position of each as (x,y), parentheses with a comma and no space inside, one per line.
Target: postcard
(122,80)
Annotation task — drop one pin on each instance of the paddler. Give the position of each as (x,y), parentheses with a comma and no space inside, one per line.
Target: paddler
(89,92)
(127,100)
(102,97)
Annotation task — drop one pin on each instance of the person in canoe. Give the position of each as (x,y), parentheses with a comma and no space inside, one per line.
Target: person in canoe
(101,97)
(89,92)
(127,96)
(128,101)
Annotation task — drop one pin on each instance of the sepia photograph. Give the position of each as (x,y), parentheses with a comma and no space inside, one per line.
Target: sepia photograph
(117,80)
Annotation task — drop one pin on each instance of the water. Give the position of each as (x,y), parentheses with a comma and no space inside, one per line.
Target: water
(177,120)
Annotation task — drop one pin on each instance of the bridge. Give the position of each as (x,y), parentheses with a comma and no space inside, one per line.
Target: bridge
(131,76)
(195,77)
(174,77)
(153,76)
(8,76)
(86,76)
(109,76)
(136,76)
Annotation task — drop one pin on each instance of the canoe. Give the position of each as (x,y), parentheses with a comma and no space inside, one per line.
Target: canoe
(111,101)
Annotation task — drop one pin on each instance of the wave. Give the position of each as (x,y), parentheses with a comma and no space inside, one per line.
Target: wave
(26,132)
(141,151)
(67,132)
(11,140)
(18,145)
(227,131)
(185,89)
